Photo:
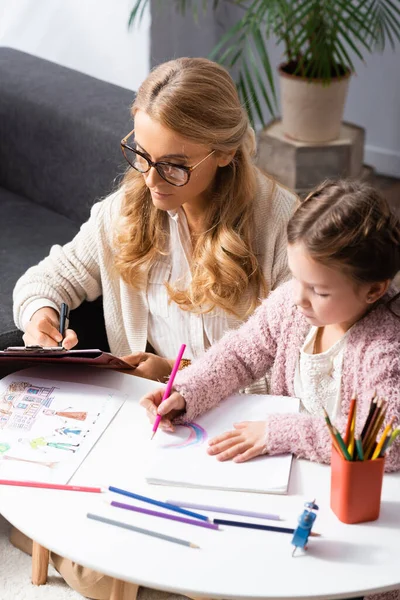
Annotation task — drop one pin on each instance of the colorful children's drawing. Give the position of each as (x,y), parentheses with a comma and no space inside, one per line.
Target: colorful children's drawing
(40,438)
(197,435)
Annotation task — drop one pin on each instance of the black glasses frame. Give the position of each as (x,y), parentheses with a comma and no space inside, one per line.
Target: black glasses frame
(156,165)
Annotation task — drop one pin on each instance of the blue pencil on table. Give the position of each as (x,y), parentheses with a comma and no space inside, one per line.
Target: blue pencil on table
(188,513)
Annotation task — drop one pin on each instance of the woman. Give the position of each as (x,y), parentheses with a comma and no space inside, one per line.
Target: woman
(188,245)
(183,251)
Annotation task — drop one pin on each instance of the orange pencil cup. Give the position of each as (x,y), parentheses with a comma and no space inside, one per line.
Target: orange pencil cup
(356,488)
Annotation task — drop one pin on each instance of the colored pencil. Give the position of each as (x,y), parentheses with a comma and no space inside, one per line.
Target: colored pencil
(394,436)
(359,448)
(385,445)
(341,443)
(365,437)
(149,532)
(386,432)
(246,525)
(330,427)
(188,513)
(369,416)
(51,486)
(220,509)
(170,383)
(351,443)
(347,435)
(370,444)
(156,513)
(391,440)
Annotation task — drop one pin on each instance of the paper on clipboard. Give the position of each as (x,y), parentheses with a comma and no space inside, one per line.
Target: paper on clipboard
(38,354)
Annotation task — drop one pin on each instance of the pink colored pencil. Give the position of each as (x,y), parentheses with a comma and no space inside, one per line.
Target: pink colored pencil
(51,486)
(169,385)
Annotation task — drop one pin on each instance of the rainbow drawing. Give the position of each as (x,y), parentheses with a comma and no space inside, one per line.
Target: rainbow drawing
(197,435)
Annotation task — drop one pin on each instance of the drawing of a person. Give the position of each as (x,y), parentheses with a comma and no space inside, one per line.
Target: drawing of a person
(70,431)
(78,415)
(41,443)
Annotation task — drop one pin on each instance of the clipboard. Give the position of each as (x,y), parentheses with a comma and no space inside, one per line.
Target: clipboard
(56,354)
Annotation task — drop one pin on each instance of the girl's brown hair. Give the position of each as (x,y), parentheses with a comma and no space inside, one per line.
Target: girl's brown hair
(197,99)
(348,224)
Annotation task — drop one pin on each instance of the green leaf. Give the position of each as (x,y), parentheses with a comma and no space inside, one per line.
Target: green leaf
(391,24)
(245,99)
(343,57)
(262,53)
(138,9)
(228,36)
(261,85)
(253,95)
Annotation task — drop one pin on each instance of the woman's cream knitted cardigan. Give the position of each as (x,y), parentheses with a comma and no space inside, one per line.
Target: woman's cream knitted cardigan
(84,268)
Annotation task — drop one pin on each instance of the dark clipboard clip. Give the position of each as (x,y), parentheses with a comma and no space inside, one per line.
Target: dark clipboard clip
(34,349)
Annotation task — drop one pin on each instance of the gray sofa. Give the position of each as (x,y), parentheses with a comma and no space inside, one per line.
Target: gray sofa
(59,153)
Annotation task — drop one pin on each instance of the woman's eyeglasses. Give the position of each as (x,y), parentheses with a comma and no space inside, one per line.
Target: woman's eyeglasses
(177,175)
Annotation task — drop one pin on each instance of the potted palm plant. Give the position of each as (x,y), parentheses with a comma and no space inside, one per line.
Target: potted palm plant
(320,40)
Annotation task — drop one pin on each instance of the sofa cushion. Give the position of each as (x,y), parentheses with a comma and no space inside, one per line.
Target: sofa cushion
(28,232)
(60,134)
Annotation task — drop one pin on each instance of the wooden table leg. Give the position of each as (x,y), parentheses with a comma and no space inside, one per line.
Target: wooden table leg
(117,590)
(40,564)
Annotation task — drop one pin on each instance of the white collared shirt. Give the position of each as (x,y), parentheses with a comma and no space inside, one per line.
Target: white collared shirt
(168,325)
(318,377)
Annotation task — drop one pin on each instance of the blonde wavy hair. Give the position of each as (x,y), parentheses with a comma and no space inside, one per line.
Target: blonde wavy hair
(197,99)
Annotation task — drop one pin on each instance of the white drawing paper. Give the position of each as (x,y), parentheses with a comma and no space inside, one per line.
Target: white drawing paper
(48,427)
(181,458)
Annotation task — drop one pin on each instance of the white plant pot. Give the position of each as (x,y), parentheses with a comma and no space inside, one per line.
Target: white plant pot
(312,111)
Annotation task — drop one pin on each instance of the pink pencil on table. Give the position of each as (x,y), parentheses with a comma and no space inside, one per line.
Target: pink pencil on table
(169,385)
(51,486)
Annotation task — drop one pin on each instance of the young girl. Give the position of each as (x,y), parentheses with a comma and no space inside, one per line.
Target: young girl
(329,333)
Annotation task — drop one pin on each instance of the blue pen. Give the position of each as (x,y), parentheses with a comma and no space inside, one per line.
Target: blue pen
(189,513)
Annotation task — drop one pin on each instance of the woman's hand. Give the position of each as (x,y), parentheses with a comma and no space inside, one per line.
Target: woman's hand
(245,441)
(42,330)
(172,407)
(149,366)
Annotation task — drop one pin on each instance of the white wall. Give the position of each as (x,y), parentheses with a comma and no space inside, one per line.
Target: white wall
(374,103)
(87,35)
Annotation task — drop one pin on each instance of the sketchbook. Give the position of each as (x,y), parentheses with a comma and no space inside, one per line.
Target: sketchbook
(48,427)
(37,354)
(181,458)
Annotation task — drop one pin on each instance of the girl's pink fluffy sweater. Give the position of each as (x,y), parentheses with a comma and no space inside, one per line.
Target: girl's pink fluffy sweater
(272,338)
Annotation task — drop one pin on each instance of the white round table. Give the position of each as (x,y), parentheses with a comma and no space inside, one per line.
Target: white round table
(347,560)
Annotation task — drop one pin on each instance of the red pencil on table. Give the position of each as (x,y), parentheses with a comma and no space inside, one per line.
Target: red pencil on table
(51,486)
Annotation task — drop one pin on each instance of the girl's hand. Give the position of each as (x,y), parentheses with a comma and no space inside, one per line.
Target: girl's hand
(42,330)
(171,408)
(149,366)
(244,442)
